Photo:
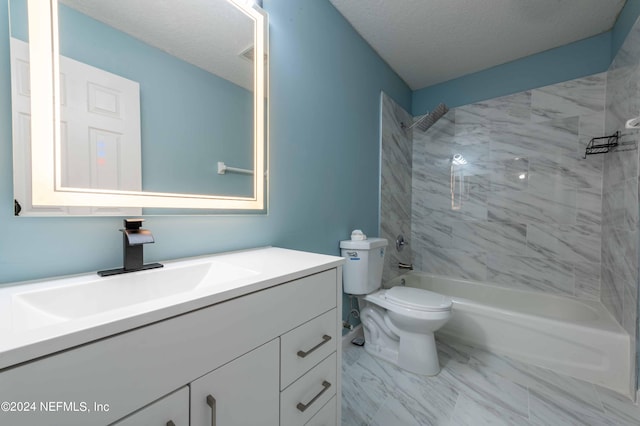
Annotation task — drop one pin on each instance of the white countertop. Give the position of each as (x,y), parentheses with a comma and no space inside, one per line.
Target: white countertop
(268,266)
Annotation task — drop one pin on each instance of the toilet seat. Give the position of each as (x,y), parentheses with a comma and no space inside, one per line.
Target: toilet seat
(418,299)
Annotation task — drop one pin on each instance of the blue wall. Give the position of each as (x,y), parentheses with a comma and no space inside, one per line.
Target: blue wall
(626,19)
(574,60)
(324,137)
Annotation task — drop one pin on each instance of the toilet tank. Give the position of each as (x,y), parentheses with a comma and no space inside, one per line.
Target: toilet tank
(362,273)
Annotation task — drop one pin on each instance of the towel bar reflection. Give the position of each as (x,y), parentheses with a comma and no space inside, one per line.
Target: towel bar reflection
(223,168)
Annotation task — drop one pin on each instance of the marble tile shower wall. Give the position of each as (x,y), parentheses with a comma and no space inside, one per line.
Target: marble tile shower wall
(620,188)
(520,208)
(395,191)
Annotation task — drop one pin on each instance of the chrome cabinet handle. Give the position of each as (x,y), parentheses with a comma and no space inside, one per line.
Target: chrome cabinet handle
(325,339)
(211,402)
(171,423)
(302,407)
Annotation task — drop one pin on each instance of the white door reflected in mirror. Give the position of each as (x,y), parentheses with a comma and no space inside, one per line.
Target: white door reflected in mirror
(100,133)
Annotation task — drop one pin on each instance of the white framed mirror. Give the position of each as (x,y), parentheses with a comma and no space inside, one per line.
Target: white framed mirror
(182,133)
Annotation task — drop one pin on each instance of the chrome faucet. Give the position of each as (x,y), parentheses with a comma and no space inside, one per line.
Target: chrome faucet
(133,239)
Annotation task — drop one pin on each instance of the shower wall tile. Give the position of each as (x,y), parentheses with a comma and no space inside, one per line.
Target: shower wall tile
(630,204)
(546,274)
(568,170)
(510,174)
(610,295)
(571,243)
(513,109)
(433,191)
(451,262)
(395,191)
(483,237)
(622,163)
(587,276)
(620,201)
(622,82)
(629,306)
(613,205)
(591,126)
(525,210)
(619,252)
(431,228)
(556,205)
(471,123)
(549,139)
(589,208)
(571,98)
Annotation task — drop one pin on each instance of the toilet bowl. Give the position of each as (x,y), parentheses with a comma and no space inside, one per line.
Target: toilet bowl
(399,323)
(410,317)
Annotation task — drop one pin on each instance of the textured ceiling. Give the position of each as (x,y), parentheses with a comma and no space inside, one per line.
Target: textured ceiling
(210,34)
(430,41)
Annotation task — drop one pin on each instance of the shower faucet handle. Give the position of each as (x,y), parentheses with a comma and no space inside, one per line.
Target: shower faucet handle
(400,242)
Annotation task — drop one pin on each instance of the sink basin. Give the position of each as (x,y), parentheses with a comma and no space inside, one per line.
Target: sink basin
(94,296)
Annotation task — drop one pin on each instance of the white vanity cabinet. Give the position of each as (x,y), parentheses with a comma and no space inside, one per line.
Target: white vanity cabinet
(241,352)
(172,410)
(242,392)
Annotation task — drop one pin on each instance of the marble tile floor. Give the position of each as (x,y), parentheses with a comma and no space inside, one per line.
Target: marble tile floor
(474,388)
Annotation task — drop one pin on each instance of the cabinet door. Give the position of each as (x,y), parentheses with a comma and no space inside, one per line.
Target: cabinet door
(172,410)
(243,392)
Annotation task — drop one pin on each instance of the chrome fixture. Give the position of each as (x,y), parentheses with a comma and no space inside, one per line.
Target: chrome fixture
(408,266)
(429,119)
(459,160)
(133,238)
(400,242)
(633,123)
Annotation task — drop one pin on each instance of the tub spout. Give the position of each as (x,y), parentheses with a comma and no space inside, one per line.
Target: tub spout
(408,266)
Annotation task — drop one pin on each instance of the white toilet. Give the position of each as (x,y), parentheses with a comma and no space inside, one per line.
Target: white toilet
(399,322)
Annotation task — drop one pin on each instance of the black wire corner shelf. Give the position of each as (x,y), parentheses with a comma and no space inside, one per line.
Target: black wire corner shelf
(602,145)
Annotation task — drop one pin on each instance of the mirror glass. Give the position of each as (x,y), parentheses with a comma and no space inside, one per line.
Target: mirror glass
(155,100)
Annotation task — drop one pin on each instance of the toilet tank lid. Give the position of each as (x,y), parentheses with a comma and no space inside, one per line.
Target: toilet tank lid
(368,244)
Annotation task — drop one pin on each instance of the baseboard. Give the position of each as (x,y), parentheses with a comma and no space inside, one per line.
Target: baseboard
(356,332)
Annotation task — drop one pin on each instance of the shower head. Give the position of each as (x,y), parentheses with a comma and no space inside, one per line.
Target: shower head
(429,119)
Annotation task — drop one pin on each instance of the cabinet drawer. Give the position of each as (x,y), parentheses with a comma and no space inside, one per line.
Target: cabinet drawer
(326,416)
(172,408)
(305,346)
(300,401)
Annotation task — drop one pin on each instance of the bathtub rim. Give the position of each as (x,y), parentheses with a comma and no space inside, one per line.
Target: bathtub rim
(605,322)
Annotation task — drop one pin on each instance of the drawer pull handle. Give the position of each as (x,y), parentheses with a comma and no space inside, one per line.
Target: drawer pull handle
(325,339)
(302,407)
(211,402)
(171,423)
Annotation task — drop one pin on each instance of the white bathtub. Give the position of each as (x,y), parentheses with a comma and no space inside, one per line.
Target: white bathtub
(577,338)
